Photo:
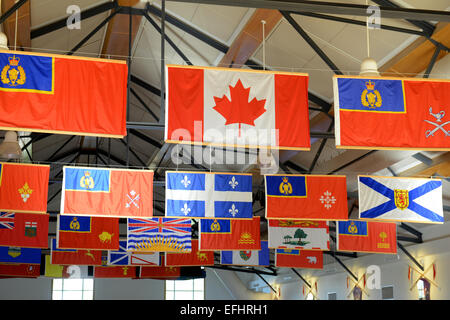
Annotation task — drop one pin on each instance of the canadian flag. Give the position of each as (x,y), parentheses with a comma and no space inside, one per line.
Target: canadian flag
(240,108)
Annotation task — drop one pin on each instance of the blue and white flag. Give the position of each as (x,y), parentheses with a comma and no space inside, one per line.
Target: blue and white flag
(208,195)
(247,258)
(400,199)
(20,255)
(122,257)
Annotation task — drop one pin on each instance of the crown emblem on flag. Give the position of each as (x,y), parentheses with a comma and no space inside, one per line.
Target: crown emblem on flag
(370,85)
(14,61)
(13,74)
(370,97)
(352,228)
(285,187)
(87,181)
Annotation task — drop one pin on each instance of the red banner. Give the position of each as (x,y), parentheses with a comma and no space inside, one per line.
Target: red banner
(62,94)
(23,187)
(26,230)
(75,257)
(20,270)
(194,258)
(161,273)
(115,272)
(80,232)
(294,258)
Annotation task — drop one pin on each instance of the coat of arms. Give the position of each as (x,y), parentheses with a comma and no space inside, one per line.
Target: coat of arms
(13,74)
(401,199)
(370,97)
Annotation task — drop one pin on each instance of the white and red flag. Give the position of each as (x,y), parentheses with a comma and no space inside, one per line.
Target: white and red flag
(240,108)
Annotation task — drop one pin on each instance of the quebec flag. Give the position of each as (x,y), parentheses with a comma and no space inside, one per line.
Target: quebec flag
(400,199)
(208,195)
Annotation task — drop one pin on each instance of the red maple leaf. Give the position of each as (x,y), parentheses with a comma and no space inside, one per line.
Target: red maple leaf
(239,110)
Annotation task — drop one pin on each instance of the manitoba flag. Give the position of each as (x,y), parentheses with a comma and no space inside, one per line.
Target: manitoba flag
(380,113)
(306,197)
(26,230)
(242,108)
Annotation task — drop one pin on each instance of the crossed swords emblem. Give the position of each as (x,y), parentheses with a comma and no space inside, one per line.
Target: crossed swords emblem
(437,125)
(132,200)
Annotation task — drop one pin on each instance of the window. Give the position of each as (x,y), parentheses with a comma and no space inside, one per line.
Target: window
(387,293)
(73,289)
(423,288)
(193,289)
(332,296)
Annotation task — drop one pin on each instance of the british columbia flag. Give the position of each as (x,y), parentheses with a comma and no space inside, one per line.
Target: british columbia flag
(159,234)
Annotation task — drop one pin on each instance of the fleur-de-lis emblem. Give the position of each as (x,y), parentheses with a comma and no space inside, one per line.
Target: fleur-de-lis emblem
(233,211)
(186,181)
(185,209)
(233,183)
(25,192)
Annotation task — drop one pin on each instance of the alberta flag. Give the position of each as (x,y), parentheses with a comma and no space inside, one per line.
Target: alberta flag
(208,195)
(237,107)
(400,199)
(247,257)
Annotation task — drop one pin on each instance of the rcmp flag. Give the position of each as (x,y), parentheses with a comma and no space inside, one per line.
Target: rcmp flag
(74,256)
(230,234)
(400,199)
(122,257)
(20,255)
(294,234)
(107,192)
(26,230)
(295,258)
(237,107)
(208,195)
(306,197)
(386,113)
(247,257)
(194,258)
(23,187)
(366,236)
(159,234)
(80,232)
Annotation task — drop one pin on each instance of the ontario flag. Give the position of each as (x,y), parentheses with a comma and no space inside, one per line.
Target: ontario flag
(306,197)
(230,234)
(194,258)
(81,232)
(26,230)
(242,108)
(74,256)
(295,258)
(386,113)
(366,236)
(62,94)
(23,187)
(107,192)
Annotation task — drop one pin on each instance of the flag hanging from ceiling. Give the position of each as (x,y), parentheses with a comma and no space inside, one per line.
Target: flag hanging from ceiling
(400,199)
(247,257)
(26,230)
(229,234)
(306,197)
(53,270)
(159,234)
(392,113)
(162,273)
(295,258)
(297,234)
(194,258)
(243,108)
(107,192)
(208,195)
(48,88)
(23,187)
(74,256)
(21,270)
(81,232)
(122,257)
(20,255)
(366,236)
(115,272)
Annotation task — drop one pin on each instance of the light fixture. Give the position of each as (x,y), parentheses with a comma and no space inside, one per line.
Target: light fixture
(3,41)
(369,68)
(9,148)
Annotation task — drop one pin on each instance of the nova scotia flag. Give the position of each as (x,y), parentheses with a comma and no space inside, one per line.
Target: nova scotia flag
(208,195)
(400,199)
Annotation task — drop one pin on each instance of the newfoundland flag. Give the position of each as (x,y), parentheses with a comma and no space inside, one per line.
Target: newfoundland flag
(387,113)
(242,108)
(62,94)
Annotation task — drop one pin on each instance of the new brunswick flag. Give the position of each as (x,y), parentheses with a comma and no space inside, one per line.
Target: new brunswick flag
(62,94)
(26,230)
(81,232)
(23,187)
(107,192)
(366,236)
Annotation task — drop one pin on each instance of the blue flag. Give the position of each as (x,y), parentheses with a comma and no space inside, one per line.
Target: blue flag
(208,195)
(20,255)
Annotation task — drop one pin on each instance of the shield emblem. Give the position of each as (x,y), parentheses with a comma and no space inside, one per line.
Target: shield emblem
(245,255)
(401,199)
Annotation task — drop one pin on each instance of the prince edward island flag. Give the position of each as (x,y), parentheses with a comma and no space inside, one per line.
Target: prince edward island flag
(400,199)
(208,195)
